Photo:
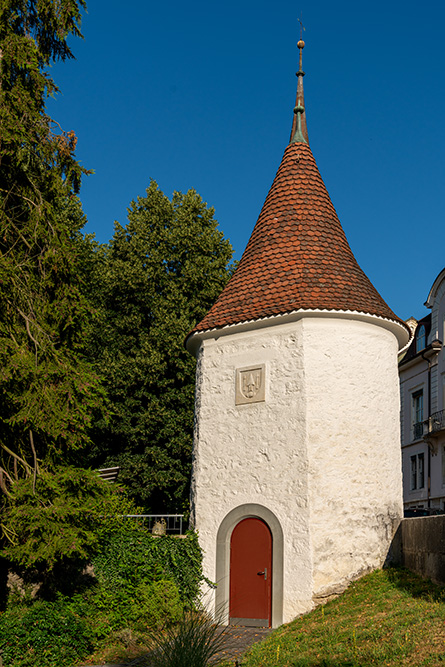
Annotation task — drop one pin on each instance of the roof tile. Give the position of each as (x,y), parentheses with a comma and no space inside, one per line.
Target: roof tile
(297,257)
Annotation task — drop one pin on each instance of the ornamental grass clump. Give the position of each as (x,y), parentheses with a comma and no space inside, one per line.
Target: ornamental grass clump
(195,641)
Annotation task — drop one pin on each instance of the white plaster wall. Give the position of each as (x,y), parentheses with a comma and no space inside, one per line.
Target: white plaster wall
(355,487)
(254,453)
(322,452)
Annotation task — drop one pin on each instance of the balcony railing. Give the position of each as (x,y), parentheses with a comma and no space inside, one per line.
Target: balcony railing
(161,524)
(418,430)
(437,421)
(433,425)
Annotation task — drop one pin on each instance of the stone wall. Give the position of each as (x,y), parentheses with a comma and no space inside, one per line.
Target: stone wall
(423,546)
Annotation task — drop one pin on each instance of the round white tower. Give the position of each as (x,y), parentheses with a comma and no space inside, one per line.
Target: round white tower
(296,485)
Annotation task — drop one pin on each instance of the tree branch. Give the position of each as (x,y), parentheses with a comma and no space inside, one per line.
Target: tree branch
(17,457)
(36,465)
(3,486)
(10,534)
(27,321)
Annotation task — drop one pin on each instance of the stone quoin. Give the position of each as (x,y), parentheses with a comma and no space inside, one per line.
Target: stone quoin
(296,482)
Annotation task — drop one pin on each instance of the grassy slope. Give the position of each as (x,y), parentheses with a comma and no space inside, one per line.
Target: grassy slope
(390,617)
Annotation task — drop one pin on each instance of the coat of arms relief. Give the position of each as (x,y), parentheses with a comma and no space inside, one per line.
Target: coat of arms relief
(250,385)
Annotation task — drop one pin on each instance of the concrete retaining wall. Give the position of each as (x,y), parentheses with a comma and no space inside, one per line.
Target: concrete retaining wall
(423,546)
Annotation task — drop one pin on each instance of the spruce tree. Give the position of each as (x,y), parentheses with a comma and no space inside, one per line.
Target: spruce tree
(48,392)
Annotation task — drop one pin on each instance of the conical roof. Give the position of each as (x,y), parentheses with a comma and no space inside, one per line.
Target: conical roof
(298,257)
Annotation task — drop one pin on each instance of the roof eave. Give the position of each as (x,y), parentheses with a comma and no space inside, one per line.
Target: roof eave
(398,328)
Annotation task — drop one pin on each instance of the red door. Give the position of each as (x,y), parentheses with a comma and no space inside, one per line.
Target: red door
(250,574)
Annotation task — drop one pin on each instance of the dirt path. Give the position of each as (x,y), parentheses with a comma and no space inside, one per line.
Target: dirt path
(239,639)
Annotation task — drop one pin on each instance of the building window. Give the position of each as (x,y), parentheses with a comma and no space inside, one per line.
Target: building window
(417,472)
(413,483)
(417,414)
(420,339)
(420,471)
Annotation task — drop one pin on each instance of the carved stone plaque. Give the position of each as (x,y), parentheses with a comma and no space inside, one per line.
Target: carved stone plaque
(250,385)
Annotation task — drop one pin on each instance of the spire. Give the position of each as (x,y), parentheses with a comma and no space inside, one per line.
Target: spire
(297,258)
(299,126)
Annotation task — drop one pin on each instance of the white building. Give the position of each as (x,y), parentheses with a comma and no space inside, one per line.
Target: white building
(422,391)
(296,485)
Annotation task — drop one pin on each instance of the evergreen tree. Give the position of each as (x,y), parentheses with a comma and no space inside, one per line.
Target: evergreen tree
(156,279)
(48,393)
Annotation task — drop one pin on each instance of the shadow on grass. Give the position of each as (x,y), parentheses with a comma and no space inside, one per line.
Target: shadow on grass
(414,585)
(321,662)
(327,663)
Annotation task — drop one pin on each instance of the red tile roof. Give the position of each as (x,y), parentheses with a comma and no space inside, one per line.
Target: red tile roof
(297,256)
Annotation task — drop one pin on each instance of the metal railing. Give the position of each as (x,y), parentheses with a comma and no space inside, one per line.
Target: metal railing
(437,421)
(161,524)
(108,474)
(418,430)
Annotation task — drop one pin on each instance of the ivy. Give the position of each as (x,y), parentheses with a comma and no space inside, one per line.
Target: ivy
(130,554)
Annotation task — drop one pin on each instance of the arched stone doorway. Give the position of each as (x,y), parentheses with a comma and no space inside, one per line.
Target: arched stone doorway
(275,581)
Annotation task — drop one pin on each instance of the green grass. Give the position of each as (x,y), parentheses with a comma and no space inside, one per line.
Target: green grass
(390,617)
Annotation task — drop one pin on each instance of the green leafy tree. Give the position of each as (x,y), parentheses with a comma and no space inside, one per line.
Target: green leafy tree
(48,392)
(156,279)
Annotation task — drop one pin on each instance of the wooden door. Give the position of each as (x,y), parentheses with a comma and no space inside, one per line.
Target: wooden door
(250,574)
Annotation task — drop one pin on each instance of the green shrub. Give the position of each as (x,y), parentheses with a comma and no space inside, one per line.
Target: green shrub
(129,555)
(141,582)
(146,582)
(45,634)
(146,606)
(157,605)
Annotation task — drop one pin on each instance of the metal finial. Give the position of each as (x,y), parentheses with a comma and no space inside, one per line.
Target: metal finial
(299,129)
(298,134)
(300,44)
(300,21)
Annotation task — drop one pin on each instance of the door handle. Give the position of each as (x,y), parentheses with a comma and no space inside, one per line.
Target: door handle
(260,574)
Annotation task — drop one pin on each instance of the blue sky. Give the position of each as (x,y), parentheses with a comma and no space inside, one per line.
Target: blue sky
(200,94)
